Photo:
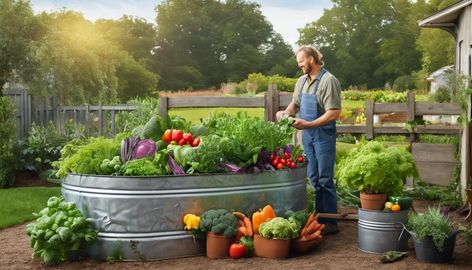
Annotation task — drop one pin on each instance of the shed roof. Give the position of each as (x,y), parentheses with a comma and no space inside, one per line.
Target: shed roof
(446,18)
(440,72)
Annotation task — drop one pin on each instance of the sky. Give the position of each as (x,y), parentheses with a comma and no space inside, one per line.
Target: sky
(286,16)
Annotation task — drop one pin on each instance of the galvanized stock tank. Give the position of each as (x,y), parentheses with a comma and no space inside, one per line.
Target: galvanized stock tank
(140,218)
(380,231)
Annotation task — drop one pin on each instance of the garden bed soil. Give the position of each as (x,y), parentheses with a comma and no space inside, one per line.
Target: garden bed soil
(335,252)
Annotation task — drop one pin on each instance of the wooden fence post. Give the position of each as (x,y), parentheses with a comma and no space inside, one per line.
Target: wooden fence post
(271,103)
(410,114)
(369,119)
(113,125)
(100,119)
(87,120)
(163,106)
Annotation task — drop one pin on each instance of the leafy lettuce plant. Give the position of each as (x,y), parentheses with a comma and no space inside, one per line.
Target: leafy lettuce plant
(373,168)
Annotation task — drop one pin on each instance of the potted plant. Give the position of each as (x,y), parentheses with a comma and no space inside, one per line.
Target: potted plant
(273,240)
(376,170)
(433,235)
(221,227)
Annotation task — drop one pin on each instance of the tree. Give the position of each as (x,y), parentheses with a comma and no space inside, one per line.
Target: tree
(279,57)
(17,29)
(202,43)
(349,36)
(75,63)
(134,35)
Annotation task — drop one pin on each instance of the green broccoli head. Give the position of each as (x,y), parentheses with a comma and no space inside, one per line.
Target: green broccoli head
(219,221)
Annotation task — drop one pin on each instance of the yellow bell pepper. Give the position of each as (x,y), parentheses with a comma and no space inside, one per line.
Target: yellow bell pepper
(191,221)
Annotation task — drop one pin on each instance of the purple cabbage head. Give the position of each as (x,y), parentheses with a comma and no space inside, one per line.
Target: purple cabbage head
(144,148)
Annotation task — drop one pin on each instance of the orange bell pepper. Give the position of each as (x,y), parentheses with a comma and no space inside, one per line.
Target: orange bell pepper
(261,216)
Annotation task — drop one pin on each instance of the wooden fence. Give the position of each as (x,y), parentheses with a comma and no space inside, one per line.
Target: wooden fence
(436,163)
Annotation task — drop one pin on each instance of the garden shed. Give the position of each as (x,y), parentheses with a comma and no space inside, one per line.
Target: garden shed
(438,78)
(457,20)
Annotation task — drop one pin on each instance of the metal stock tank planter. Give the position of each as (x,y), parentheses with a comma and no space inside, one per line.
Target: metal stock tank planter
(381,231)
(140,218)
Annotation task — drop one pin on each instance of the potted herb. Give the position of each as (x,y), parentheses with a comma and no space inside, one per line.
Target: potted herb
(376,170)
(273,240)
(221,226)
(433,235)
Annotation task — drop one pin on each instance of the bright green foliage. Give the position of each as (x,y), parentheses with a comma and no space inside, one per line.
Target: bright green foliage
(432,223)
(373,168)
(88,158)
(279,228)
(110,167)
(299,217)
(141,167)
(7,141)
(257,82)
(219,221)
(252,132)
(59,228)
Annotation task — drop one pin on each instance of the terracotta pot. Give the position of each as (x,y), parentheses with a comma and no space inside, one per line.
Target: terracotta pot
(301,247)
(271,248)
(217,245)
(373,201)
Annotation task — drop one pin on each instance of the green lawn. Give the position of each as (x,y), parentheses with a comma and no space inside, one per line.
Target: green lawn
(195,114)
(18,204)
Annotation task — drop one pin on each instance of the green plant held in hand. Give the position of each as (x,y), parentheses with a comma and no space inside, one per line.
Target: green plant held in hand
(58,229)
(373,168)
(431,223)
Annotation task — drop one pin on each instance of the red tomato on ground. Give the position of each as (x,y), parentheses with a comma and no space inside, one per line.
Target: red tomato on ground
(177,135)
(167,136)
(237,250)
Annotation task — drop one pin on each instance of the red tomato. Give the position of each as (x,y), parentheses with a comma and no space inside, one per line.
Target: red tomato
(188,138)
(272,157)
(283,161)
(274,163)
(289,160)
(195,142)
(177,135)
(292,165)
(167,136)
(300,159)
(286,155)
(237,250)
(280,166)
(182,142)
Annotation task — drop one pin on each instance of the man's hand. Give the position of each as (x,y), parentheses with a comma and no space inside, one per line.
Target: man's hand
(279,115)
(301,124)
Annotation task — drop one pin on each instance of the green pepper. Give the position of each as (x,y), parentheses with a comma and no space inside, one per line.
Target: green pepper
(248,244)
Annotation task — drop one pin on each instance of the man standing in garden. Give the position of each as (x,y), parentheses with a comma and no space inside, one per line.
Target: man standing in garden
(317,99)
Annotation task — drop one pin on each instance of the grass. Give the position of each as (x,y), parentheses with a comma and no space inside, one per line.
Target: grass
(195,114)
(18,204)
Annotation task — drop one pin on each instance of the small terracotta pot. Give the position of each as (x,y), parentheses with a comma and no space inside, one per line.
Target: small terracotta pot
(271,248)
(373,201)
(217,245)
(301,247)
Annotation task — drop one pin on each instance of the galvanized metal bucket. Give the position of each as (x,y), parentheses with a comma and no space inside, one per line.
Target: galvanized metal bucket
(426,250)
(140,218)
(382,231)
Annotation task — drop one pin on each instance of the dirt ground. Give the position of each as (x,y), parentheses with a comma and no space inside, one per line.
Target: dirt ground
(335,252)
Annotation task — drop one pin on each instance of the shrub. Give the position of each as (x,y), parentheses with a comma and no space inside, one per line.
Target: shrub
(257,83)
(442,95)
(41,147)
(432,223)
(7,142)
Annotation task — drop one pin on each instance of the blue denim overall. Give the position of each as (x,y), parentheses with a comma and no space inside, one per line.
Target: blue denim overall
(319,145)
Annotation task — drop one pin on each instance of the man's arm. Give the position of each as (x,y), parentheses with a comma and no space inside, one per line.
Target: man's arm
(327,117)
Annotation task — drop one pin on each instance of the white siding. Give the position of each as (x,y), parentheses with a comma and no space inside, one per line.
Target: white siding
(464,41)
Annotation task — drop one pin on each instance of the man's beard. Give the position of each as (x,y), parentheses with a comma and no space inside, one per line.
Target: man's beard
(308,70)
